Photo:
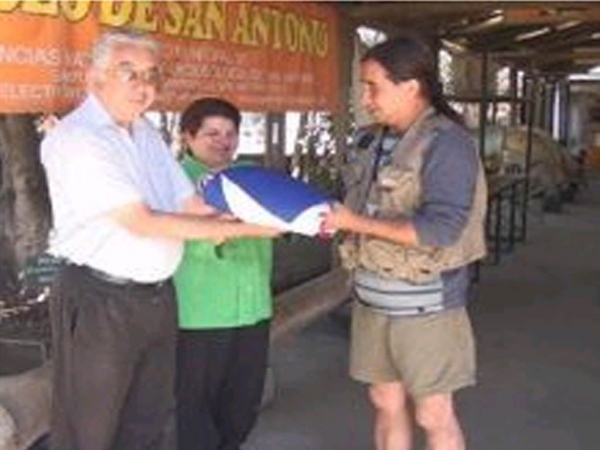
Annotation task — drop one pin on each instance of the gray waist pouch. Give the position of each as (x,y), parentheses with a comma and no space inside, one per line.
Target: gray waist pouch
(398,297)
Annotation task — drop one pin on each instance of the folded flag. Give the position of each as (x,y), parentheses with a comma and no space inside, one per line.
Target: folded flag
(268,197)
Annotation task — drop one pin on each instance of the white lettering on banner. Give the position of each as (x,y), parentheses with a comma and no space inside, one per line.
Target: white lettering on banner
(21,55)
(206,55)
(32,56)
(261,51)
(13,91)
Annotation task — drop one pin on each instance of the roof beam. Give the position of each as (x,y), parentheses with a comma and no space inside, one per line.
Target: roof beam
(407,11)
(566,38)
(548,14)
(508,39)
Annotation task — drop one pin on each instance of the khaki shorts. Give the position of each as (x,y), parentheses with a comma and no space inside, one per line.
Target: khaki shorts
(428,354)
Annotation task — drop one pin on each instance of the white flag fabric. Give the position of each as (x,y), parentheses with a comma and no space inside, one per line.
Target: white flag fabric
(267,197)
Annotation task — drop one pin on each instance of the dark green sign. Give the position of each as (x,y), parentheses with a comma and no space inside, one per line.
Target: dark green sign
(42,270)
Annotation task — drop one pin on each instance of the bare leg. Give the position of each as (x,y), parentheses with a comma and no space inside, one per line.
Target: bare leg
(392,421)
(435,413)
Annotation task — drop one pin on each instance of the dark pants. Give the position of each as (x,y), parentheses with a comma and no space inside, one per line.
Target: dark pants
(220,378)
(114,360)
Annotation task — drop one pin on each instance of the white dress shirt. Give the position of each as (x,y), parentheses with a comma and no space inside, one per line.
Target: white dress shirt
(94,166)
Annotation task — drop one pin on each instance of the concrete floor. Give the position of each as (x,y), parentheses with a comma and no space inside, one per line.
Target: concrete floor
(537,321)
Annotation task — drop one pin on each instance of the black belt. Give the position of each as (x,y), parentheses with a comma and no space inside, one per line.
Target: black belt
(119,281)
(410,311)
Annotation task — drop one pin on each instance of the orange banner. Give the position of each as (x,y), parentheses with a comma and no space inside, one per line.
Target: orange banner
(264,56)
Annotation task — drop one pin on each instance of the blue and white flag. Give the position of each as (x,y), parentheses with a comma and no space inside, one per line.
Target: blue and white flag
(267,197)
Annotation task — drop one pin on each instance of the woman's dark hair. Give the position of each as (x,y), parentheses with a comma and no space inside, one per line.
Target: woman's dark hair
(407,57)
(194,115)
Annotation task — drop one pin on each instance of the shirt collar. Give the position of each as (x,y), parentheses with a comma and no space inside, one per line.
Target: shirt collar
(188,158)
(98,115)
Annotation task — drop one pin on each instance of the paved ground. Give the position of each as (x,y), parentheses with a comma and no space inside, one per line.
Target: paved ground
(537,319)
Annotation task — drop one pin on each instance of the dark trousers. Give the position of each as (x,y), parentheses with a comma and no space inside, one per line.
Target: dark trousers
(220,379)
(114,360)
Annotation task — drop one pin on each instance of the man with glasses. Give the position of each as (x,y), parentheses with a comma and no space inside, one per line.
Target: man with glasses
(122,208)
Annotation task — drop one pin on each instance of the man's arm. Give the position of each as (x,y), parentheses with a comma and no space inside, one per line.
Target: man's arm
(140,219)
(448,178)
(195,205)
(342,218)
(448,185)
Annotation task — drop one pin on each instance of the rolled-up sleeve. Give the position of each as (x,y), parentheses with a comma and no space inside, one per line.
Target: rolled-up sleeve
(448,175)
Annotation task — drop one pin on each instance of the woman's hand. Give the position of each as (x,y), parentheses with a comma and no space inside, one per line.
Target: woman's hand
(236,230)
(227,217)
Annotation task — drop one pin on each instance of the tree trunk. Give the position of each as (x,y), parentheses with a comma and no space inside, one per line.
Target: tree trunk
(25,214)
(297,165)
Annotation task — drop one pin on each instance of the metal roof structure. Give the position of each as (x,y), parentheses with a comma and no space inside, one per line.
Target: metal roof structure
(550,38)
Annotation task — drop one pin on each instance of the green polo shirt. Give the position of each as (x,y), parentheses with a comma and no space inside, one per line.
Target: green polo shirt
(223,287)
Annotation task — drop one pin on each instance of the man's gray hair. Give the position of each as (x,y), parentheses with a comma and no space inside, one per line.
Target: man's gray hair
(109,40)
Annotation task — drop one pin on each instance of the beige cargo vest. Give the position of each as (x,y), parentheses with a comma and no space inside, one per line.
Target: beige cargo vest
(396,194)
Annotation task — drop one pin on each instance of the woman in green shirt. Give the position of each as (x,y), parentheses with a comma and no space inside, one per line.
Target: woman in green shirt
(224,303)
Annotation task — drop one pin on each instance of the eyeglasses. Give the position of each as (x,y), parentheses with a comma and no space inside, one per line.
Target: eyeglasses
(127,74)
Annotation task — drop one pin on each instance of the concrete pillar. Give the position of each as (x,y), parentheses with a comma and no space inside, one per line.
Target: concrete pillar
(275,141)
